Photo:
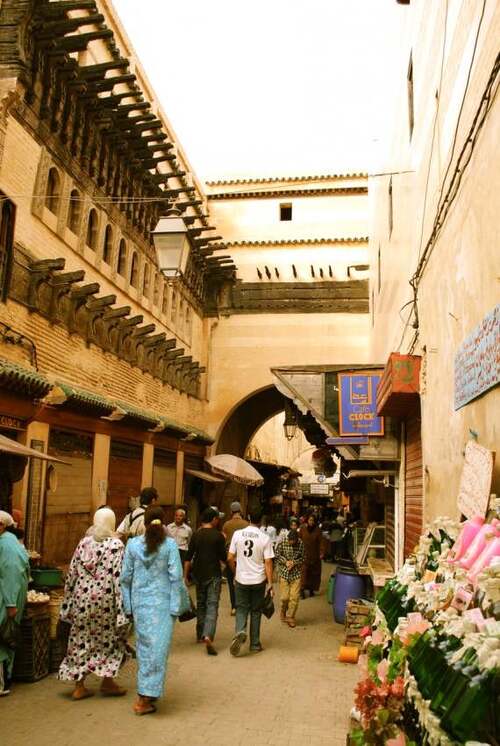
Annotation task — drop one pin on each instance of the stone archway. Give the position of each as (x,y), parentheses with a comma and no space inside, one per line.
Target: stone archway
(245,419)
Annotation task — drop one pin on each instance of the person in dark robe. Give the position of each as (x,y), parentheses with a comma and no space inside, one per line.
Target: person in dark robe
(312,538)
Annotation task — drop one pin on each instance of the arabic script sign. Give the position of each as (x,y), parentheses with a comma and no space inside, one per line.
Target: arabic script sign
(358,404)
(477,362)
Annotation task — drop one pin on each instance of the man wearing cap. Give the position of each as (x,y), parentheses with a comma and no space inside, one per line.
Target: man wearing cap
(235,523)
(180,532)
(206,551)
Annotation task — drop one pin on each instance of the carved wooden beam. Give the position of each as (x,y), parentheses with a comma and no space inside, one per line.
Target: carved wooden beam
(109,102)
(198,230)
(203,241)
(95,72)
(126,108)
(59,9)
(58,28)
(80,42)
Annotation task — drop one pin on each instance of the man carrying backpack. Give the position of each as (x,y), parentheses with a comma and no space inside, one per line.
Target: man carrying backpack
(133,523)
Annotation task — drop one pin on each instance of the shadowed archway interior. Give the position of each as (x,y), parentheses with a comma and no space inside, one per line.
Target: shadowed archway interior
(246,419)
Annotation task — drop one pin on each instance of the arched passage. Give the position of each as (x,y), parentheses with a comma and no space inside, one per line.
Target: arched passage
(246,418)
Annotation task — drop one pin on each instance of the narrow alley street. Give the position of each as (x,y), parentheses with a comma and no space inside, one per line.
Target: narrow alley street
(294,693)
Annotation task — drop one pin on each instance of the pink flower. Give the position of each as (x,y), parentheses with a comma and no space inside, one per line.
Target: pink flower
(400,740)
(365,632)
(377,637)
(382,669)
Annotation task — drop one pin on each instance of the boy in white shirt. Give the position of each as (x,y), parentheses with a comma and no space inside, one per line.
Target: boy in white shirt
(251,560)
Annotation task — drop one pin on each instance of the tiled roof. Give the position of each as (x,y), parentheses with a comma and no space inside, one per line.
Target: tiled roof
(298,241)
(288,191)
(14,377)
(288,179)
(86,398)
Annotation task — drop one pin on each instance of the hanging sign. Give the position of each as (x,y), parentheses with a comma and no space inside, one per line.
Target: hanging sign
(475,483)
(358,404)
(477,363)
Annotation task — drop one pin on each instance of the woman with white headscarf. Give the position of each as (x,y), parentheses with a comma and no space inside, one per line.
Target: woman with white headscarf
(14,574)
(92,605)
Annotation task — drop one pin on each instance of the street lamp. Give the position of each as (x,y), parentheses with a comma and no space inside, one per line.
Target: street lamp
(290,424)
(172,245)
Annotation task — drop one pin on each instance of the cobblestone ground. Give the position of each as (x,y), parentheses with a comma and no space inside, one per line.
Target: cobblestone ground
(295,693)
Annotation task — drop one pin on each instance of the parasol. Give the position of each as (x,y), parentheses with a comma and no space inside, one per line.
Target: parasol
(235,468)
(7,445)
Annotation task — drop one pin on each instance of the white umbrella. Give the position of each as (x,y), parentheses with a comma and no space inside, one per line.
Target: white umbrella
(235,468)
(7,445)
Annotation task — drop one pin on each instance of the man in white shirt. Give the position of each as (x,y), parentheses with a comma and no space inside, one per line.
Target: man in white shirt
(251,560)
(133,523)
(180,532)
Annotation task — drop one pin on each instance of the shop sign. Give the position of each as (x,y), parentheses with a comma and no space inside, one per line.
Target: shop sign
(477,362)
(475,482)
(358,404)
(355,440)
(11,423)
(319,489)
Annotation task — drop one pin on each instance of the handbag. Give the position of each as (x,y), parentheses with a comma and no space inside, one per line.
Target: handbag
(9,633)
(187,609)
(267,605)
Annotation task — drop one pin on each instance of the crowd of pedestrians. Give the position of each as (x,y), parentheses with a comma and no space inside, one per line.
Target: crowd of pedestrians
(136,578)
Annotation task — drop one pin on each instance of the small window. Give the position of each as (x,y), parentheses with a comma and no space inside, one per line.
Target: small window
(411,113)
(189,324)
(74,211)
(121,266)
(134,270)
(285,211)
(145,283)
(53,195)
(156,290)
(92,225)
(164,302)
(173,309)
(7,220)
(390,216)
(107,253)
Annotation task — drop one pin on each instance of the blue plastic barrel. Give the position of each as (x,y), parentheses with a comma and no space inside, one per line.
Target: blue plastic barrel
(348,584)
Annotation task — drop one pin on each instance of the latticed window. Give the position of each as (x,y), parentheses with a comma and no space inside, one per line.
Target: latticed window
(156,290)
(145,282)
(107,253)
(92,227)
(53,193)
(173,309)
(164,301)
(121,265)
(134,270)
(74,211)
(7,220)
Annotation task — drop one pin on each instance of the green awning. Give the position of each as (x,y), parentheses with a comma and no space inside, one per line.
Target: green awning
(15,377)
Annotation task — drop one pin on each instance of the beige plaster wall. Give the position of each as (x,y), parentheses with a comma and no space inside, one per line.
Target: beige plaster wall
(244,348)
(460,284)
(269,443)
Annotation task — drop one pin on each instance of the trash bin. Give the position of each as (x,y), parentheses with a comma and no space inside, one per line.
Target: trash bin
(348,584)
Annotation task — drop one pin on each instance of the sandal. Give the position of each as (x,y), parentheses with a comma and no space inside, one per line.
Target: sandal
(82,693)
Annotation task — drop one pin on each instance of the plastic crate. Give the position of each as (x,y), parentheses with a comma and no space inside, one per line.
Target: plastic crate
(31,662)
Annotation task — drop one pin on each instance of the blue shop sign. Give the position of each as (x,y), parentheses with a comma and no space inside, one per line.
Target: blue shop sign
(358,404)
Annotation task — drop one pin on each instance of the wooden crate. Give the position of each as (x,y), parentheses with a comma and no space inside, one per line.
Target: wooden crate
(357,616)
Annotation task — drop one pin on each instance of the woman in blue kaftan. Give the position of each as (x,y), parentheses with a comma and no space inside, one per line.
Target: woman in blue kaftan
(152,588)
(14,575)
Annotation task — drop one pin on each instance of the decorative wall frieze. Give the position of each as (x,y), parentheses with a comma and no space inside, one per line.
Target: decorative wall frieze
(61,298)
(295,297)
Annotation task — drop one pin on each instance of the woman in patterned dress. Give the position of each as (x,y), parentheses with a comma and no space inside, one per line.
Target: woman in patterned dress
(152,588)
(93,606)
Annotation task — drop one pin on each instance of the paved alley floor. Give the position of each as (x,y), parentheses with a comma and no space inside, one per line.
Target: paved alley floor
(295,693)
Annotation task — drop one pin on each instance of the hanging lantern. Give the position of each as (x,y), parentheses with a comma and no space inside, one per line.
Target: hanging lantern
(290,424)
